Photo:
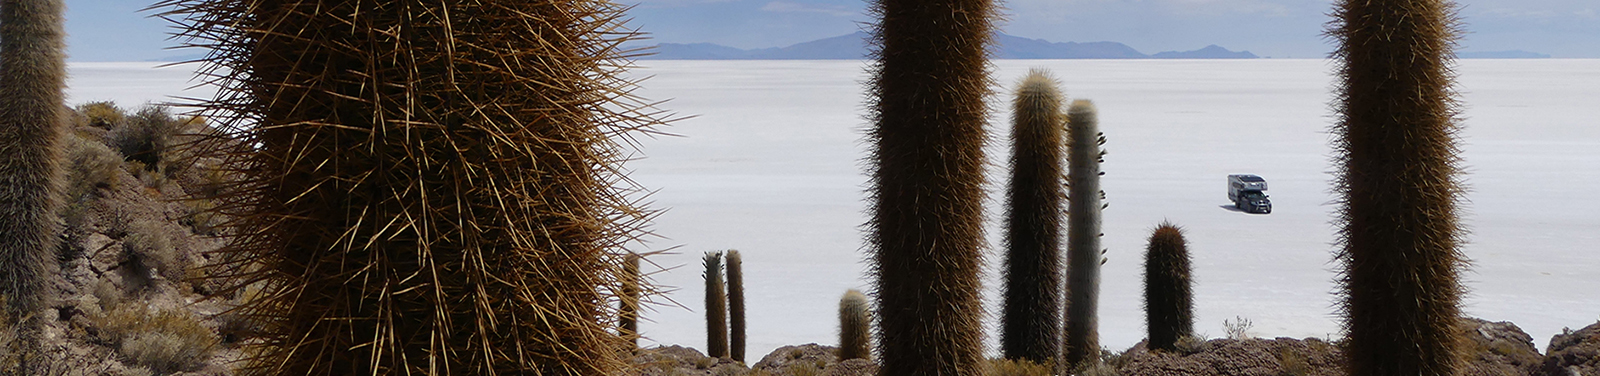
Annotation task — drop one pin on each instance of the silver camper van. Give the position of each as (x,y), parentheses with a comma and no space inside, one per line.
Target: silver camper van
(1248,193)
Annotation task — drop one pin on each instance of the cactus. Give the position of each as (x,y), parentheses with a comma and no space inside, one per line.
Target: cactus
(1168,291)
(925,234)
(32,115)
(628,307)
(736,335)
(1032,318)
(1397,157)
(855,333)
(1084,255)
(427,187)
(716,308)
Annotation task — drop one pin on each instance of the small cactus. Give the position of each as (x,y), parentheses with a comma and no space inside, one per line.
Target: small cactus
(716,308)
(1168,296)
(736,329)
(855,333)
(1084,255)
(1034,202)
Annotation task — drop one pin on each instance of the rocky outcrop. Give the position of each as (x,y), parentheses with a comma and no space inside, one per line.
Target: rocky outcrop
(1235,357)
(1573,353)
(808,360)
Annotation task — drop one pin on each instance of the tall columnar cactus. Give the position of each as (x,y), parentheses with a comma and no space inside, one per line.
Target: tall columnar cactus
(1399,182)
(855,322)
(429,187)
(925,233)
(32,75)
(736,335)
(632,294)
(716,308)
(1032,318)
(1084,254)
(1168,291)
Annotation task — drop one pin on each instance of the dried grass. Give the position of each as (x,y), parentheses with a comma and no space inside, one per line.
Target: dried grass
(165,340)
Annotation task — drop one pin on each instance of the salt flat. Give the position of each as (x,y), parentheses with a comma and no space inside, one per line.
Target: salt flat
(771,166)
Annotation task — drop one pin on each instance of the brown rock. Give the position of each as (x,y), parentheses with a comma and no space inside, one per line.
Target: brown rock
(1232,357)
(789,359)
(1498,348)
(1573,353)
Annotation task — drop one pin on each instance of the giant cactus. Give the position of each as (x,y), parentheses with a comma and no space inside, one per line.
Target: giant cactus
(716,307)
(428,187)
(925,234)
(736,329)
(629,300)
(1397,157)
(1031,325)
(1084,255)
(32,75)
(1168,290)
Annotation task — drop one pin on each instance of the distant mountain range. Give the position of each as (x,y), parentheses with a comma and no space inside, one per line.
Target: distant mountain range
(854,46)
(1513,54)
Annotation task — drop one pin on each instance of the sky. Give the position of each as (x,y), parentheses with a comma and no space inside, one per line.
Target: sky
(116,30)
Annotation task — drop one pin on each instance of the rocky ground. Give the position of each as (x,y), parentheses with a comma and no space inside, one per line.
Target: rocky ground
(1496,348)
(134,300)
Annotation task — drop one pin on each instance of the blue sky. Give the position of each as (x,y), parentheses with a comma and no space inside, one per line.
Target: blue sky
(115,30)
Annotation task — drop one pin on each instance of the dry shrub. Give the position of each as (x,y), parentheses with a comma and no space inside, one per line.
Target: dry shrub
(1294,363)
(1190,345)
(1098,369)
(152,250)
(1238,329)
(1008,367)
(804,369)
(101,114)
(145,136)
(91,165)
(164,340)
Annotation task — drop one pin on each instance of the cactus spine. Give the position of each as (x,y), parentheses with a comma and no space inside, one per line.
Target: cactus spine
(628,307)
(430,187)
(855,335)
(716,308)
(32,76)
(1084,254)
(1032,317)
(1168,294)
(925,233)
(736,336)
(1398,178)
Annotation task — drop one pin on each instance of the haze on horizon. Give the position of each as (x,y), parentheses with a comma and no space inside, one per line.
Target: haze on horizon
(117,30)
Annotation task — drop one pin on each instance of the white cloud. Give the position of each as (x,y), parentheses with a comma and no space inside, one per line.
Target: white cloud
(788,7)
